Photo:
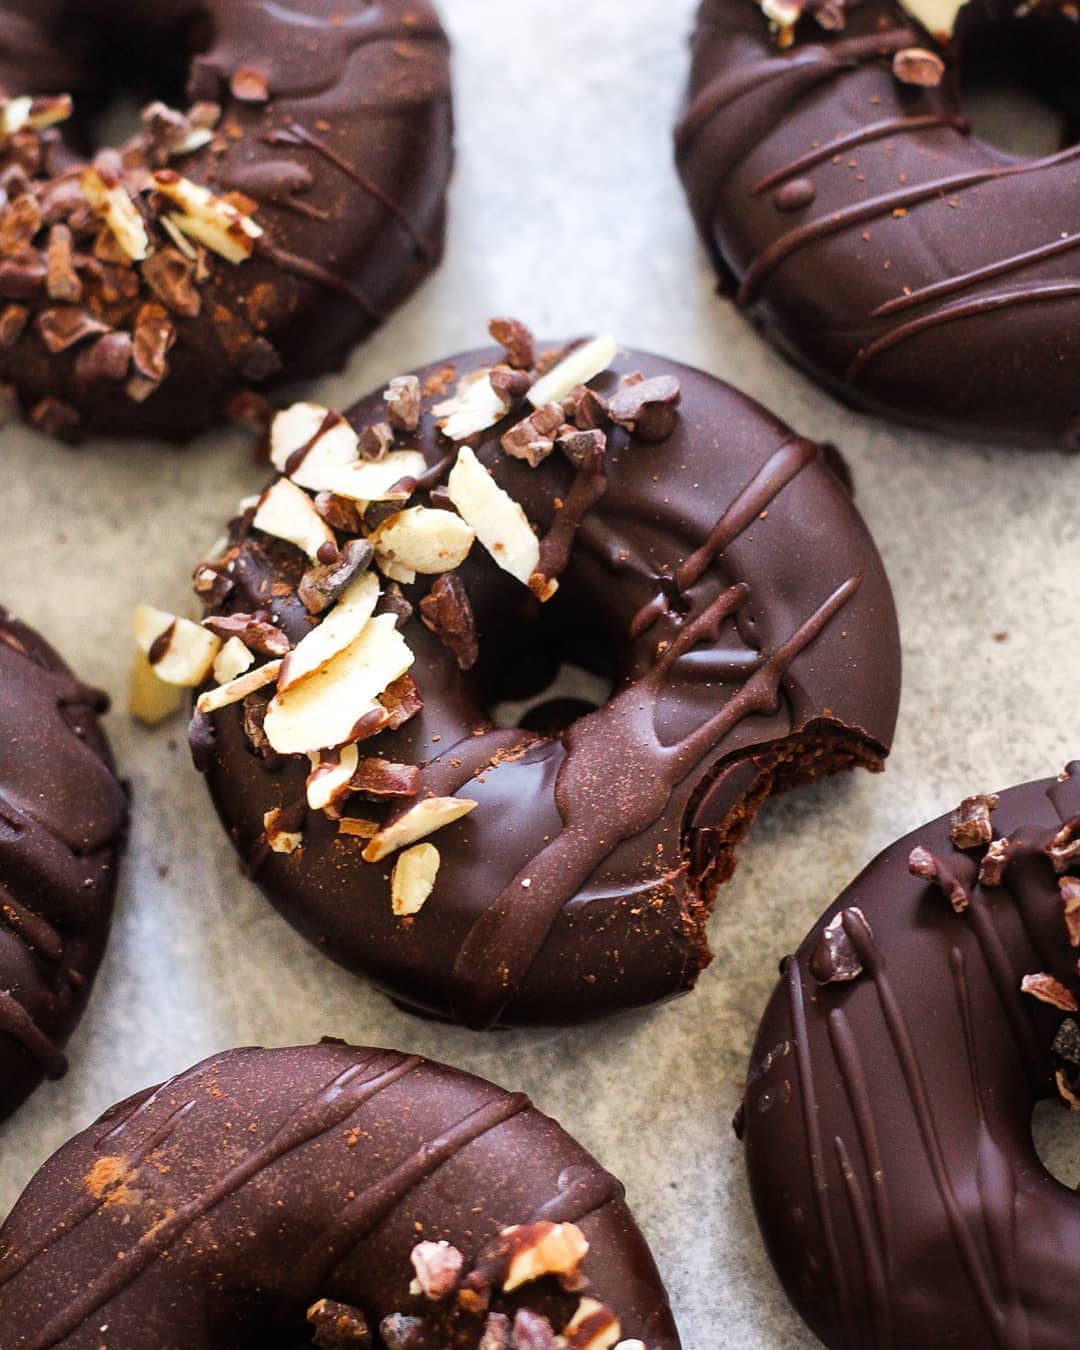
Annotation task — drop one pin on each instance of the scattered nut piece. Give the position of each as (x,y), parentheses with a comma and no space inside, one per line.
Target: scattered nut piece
(338,1326)
(938,17)
(249,85)
(171,276)
(181,652)
(109,358)
(411,882)
(583,364)
(532,1331)
(475,406)
(279,835)
(995,860)
(496,1333)
(499,522)
(916,65)
(63,281)
(971,826)
(152,341)
(586,409)
(288,513)
(402,398)
(233,659)
(401,701)
(1063,850)
(382,778)
(238,689)
(208,219)
(1070,899)
(324,708)
(437,1264)
(593,1327)
(1048,990)
(256,631)
(422,540)
(834,957)
(1071,1100)
(417,822)
(322,584)
(111,200)
(328,783)
(783,15)
(334,635)
(533,439)
(542,1248)
(151,699)
(66,326)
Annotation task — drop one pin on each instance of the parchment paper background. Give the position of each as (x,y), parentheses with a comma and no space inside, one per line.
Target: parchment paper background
(565,211)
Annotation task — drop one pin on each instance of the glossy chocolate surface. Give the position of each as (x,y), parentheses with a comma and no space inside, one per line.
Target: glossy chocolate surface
(62,820)
(911,267)
(347,161)
(212,1211)
(727,585)
(888,1117)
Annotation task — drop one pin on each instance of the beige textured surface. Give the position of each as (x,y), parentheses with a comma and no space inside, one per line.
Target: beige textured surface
(565,211)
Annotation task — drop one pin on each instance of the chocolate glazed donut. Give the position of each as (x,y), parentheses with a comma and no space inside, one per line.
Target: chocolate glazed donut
(62,820)
(219,1208)
(888,1107)
(335,128)
(725,582)
(912,268)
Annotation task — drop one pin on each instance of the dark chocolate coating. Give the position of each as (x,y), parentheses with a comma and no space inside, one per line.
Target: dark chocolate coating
(63,817)
(912,268)
(888,1120)
(625,826)
(353,214)
(240,1192)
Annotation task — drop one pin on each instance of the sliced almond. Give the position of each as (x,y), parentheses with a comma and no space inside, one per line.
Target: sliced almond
(180,652)
(330,776)
(474,407)
(237,689)
(413,878)
(14,115)
(938,17)
(152,700)
(499,522)
(358,827)
(323,710)
(299,425)
(331,460)
(396,572)
(593,1326)
(583,364)
(287,512)
(340,629)
(422,540)
(280,840)
(233,659)
(210,220)
(113,202)
(420,820)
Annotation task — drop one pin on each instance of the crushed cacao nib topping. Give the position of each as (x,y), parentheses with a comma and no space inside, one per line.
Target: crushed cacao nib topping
(338,512)
(929,866)
(586,409)
(995,862)
(648,409)
(516,341)
(256,631)
(971,826)
(533,439)
(438,1267)
(376,441)
(917,66)
(510,385)
(1070,901)
(581,446)
(382,779)
(338,1326)
(403,403)
(211,585)
(834,959)
(1063,849)
(446,611)
(393,601)
(324,582)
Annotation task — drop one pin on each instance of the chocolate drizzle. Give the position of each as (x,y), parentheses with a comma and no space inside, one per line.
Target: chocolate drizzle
(329,1188)
(892,225)
(62,819)
(940,1059)
(738,642)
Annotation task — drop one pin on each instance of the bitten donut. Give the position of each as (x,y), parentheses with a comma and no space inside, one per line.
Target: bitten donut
(63,818)
(619,511)
(908,265)
(888,1107)
(257,235)
(330,1196)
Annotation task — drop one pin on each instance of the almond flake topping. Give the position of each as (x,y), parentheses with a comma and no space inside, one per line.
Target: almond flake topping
(583,364)
(180,652)
(499,522)
(420,820)
(413,879)
(112,200)
(287,512)
(208,219)
(239,688)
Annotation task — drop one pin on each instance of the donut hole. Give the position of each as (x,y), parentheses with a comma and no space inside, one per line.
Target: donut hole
(547,688)
(1018,84)
(1054,1132)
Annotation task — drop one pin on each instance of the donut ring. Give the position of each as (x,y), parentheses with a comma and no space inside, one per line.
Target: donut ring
(135,304)
(913,269)
(63,817)
(888,1107)
(263,1185)
(723,573)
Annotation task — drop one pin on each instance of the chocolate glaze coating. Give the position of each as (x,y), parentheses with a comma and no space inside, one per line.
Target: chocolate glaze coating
(259,1181)
(625,826)
(63,816)
(888,1119)
(352,205)
(912,268)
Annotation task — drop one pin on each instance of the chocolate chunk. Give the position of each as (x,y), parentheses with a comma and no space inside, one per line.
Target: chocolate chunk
(446,611)
(648,409)
(211,585)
